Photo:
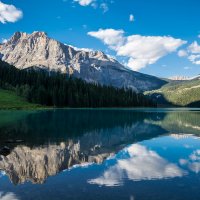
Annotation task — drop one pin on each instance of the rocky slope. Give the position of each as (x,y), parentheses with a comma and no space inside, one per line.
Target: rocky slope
(37,49)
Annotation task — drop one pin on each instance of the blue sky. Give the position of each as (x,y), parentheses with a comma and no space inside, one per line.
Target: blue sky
(150,42)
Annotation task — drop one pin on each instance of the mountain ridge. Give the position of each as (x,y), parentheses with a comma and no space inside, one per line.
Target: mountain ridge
(25,50)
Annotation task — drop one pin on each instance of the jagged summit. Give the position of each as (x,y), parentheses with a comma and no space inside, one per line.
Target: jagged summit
(17,36)
(25,50)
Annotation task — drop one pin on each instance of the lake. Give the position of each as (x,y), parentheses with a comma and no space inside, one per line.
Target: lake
(133,154)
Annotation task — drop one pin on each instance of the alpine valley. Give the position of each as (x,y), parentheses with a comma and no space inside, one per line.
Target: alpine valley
(37,52)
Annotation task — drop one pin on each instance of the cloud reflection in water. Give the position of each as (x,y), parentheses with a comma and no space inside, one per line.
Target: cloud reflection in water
(138,163)
(193,162)
(8,196)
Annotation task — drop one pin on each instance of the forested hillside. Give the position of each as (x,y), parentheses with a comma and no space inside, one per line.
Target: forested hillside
(178,93)
(58,90)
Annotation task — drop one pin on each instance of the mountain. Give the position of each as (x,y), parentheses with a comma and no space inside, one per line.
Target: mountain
(178,93)
(196,77)
(58,90)
(38,50)
(179,78)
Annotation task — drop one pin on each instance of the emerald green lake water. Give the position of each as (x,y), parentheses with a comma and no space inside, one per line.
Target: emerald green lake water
(144,154)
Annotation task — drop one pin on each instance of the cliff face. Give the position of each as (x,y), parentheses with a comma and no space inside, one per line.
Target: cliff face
(25,50)
(37,49)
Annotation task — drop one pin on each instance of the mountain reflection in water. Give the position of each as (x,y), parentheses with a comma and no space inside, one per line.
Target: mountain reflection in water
(53,141)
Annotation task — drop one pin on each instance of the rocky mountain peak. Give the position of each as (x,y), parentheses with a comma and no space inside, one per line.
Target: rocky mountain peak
(39,34)
(25,50)
(21,37)
(16,37)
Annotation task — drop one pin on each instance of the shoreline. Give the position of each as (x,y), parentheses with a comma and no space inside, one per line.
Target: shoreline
(99,108)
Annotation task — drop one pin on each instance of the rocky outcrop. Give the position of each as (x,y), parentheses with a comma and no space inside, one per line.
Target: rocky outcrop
(38,50)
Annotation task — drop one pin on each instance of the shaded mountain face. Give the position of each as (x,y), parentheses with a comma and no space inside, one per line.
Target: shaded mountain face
(38,50)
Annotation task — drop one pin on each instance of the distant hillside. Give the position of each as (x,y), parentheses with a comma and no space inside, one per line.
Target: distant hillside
(178,93)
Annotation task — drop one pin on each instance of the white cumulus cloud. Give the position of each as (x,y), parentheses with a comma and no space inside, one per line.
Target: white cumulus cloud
(194,48)
(103,4)
(104,7)
(131,18)
(192,52)
(113,38)
(141,50)
(195,59)
(9,13)
(182,53)
(84,2)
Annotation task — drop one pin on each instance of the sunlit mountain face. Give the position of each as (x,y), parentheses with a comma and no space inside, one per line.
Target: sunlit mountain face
(137,154)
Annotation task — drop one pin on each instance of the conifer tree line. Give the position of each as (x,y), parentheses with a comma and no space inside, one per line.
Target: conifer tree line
(59,90)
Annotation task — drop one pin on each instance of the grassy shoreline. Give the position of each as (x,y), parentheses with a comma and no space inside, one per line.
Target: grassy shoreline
(10,101)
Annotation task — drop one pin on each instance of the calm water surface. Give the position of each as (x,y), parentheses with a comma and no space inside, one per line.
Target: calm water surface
(142,154)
